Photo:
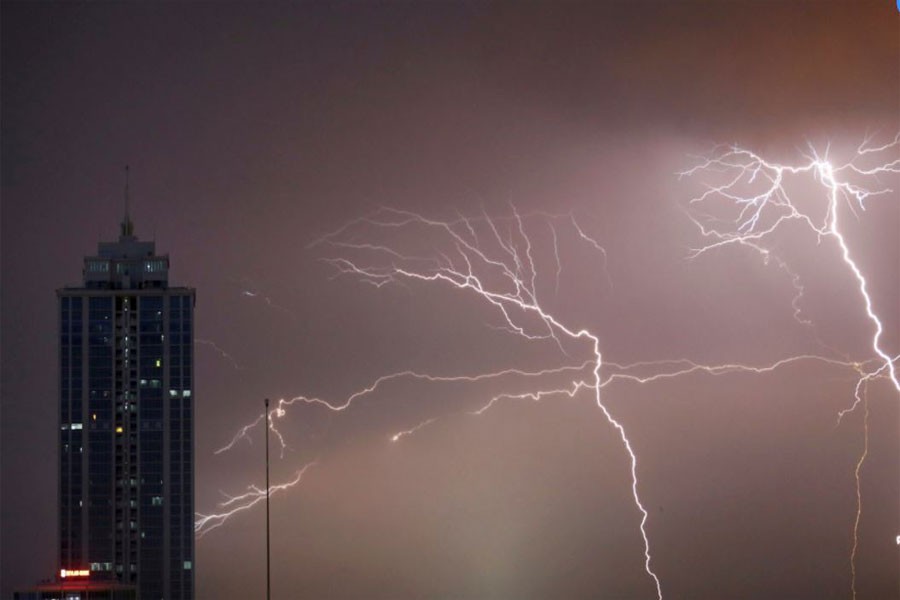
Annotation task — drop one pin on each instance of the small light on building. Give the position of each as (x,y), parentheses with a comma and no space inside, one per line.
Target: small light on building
(65,573)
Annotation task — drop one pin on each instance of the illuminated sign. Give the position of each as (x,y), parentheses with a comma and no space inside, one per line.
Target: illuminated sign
(64,573)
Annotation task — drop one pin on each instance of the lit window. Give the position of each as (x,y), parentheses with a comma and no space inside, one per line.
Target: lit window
(119,429)
(186,394)
(158,362)
(76,426)
(187,565)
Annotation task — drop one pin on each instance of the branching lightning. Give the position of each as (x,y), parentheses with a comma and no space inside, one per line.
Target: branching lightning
(760,213)
(501,272)
(494,260)
(204,523)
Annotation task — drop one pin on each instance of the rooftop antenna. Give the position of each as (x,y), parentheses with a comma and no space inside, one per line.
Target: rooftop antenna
(268,568)
(127,225)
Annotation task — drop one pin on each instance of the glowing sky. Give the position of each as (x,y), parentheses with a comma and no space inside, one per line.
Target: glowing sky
(253,130)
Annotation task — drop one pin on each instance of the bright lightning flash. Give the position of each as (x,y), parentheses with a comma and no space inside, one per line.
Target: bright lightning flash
(493,259)
(758,214)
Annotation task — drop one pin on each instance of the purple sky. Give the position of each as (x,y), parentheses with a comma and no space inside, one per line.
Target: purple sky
(254,129)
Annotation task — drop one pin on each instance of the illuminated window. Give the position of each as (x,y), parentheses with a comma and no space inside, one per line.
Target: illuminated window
(154,266)
(76,426)
(187,564)
(158,362)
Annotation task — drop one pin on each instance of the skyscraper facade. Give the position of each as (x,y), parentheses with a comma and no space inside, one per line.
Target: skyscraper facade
(126,463)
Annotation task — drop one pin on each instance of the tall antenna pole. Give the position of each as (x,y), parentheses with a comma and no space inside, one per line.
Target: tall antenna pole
(268,570)
(127,194)
(127,226)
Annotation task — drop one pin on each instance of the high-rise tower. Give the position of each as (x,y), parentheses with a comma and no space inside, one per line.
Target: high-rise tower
(126,465)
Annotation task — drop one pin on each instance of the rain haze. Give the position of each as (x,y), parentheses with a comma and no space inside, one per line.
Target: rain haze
(452,192)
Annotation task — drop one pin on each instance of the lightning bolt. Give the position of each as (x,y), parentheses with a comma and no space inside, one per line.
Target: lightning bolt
(406,432)
(859,464)
(204,523)
(760,214)
(221,352)
(675,368)
(493,259)
(506,279)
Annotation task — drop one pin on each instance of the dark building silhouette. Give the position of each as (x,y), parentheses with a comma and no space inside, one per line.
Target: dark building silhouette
(126,463)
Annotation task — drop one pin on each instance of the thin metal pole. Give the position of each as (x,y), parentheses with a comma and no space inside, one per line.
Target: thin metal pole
(268,570)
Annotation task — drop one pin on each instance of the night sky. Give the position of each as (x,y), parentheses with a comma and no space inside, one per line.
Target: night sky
(253,129)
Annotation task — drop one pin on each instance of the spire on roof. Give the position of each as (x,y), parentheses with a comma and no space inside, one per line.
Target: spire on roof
(127,225)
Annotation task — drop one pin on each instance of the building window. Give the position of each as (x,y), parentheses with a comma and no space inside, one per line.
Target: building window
(154,266)
(98,266)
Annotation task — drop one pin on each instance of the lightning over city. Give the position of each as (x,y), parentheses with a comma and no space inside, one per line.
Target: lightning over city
(544,301)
